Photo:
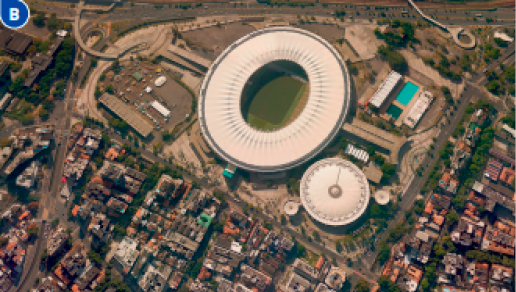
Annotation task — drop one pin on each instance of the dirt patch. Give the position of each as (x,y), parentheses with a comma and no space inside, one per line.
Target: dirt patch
(327,31)
(217,39)
(464,38)
(40,32)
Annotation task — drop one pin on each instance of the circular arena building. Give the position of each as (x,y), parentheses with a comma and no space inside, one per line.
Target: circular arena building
(274,99)
(334,191)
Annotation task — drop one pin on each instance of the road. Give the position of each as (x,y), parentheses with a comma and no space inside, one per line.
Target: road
(53,204)
(148,12)
(469,95)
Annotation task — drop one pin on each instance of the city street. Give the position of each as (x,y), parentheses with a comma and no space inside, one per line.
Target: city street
(53,207)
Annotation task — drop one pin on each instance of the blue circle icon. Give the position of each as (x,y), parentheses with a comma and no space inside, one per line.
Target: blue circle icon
(14,14)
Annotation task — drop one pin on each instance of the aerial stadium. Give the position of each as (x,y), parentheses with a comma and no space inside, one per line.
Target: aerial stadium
(334,191)
(274,99)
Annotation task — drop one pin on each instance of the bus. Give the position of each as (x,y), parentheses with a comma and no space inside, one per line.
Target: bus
(478,15)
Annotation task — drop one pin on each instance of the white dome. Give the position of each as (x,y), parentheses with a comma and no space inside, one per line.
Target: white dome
(160,81)
(220,117)
(334,191)
(381,197)
(291,208)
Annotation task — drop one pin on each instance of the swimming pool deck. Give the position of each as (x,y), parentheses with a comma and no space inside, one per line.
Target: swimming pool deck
(405,108)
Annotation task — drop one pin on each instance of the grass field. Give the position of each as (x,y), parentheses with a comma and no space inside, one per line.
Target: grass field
(269,106)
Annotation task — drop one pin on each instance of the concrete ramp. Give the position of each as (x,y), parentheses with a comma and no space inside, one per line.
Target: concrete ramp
(78,37)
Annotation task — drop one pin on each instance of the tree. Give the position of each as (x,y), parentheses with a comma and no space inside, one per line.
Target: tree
(500,42)
(508,73)
(362,286)
(395,59)
(384,253)
(370,150)
(3,241)
(33,206)
(419,206)
(338,247)
(301,249)
(452,218)
(39,20)
(6,142)
(33,229)
(43,113)
(53,22)
(55,222)
(388,170)
(425,285)
(494,87)
(95,257)
(388,285)
(27,119)
(283,219)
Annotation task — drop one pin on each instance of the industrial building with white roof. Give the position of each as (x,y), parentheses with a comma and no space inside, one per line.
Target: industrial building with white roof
(219,112)
(385,89)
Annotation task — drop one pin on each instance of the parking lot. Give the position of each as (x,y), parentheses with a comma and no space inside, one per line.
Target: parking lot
(135,83)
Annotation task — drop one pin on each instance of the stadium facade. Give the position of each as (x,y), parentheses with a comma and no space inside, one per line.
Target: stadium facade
(220,99)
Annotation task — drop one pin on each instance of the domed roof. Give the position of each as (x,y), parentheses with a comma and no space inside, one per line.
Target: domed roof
(334,191)
(381,197)
(291,207)
(220,98)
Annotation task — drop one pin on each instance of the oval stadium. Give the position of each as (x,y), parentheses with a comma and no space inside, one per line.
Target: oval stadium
(274,99)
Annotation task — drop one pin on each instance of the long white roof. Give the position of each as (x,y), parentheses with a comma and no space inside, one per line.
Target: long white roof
(334,191)
(385,89)
(220,115)
(418,109)
(161,109)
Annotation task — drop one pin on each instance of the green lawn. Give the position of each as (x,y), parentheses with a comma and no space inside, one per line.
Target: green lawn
(274,102)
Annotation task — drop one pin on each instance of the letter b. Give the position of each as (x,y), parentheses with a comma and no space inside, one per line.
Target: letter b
(14,14)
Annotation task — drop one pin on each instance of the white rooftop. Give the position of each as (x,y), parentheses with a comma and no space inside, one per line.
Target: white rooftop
(385,89)
(161,109)
(381,197)
(334,191)
(220,117)
(503,36)
(291,208)
(418,109)
(160,81)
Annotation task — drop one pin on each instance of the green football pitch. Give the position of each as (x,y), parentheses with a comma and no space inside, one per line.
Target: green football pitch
(275,98)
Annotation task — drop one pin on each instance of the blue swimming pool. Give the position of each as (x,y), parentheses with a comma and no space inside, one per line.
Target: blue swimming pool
(394,111)
(407,93)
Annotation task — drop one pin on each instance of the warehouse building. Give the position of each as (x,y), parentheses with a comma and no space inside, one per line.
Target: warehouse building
(40,62)
(127,114)
(419,108)
(5,100)
(14,42)
(385,89)
(385,142)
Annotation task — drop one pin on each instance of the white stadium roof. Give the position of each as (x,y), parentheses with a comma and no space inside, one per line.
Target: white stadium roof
(334,191)
(220,115)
